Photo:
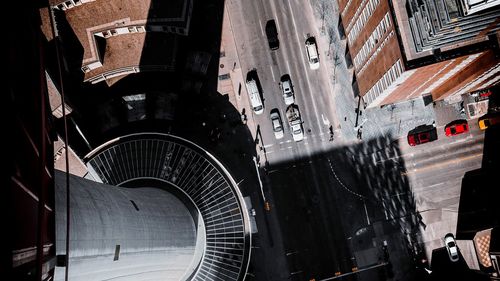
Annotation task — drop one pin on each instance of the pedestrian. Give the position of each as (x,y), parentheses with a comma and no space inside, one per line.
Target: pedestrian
(359,134)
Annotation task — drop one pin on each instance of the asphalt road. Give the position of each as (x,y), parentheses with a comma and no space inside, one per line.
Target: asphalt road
(313,92)
(334,206)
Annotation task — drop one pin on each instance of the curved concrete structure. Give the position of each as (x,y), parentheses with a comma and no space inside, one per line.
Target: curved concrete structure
(122,234)
(199,180)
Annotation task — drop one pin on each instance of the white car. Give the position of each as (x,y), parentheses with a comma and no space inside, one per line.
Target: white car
(286,89)
(312,54)
(297,133)
(277,124)
(451,247)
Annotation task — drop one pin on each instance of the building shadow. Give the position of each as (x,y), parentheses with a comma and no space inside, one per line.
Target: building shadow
(347,209)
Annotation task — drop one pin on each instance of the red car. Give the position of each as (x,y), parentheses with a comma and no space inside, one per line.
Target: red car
(456,127)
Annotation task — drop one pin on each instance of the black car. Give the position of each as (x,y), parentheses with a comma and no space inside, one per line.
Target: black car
(272,35)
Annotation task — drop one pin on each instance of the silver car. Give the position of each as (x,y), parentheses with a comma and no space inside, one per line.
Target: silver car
(277,124)
(451,247)
(287,90)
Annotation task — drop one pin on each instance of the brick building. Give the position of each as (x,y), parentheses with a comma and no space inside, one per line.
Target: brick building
(111,39)
(402,50)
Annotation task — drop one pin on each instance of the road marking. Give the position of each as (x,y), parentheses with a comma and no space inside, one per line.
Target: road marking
(448,162)
(325,120)
(288,71)
(269,152)
(272,72)
(289,147)
(268,145)
(261,29)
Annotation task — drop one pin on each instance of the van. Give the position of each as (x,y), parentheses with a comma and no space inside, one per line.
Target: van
(312,53)
(254,96)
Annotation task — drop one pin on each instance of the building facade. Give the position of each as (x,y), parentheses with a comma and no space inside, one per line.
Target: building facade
(401,50)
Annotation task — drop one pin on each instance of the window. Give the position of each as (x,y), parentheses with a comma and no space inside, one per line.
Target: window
(372,41)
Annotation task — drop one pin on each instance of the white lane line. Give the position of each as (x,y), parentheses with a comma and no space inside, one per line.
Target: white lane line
(315,108)
(261,28)
(268,145)
(287,67)
(325,120)
(272,72)
(293,21)
(269,152)
(289,147)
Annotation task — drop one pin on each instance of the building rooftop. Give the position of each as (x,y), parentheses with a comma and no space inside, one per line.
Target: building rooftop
(431,27)
(123,53)
(90,18)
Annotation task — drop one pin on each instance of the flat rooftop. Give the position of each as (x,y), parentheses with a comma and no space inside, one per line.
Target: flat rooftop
(428,27)
(134,49)
(96,16)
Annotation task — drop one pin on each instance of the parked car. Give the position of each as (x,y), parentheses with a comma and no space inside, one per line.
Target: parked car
(422,134)
(272,35)
(487,120)
(312,53)
(451,247)
(277,124)
(456,127)
(254,93)
(287,90)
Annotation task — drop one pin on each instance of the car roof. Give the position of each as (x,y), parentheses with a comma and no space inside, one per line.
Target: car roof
(311,48)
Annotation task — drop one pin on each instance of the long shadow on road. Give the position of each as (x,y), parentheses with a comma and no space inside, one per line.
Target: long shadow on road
(337,208)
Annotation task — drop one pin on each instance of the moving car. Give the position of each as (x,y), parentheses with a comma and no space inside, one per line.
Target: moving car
(422,134)
(272,35)
(456,127)
(451,247)
(488,120)
(277,124)
(287,90)
(312,53)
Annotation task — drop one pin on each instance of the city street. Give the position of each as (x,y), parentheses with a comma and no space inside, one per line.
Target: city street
(313,92)
(334,203)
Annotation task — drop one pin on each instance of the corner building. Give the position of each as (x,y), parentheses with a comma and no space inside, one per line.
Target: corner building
(401,50)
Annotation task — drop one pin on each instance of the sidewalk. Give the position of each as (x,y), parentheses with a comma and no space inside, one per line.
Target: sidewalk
(267,260)
(231,78)
(392,121)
